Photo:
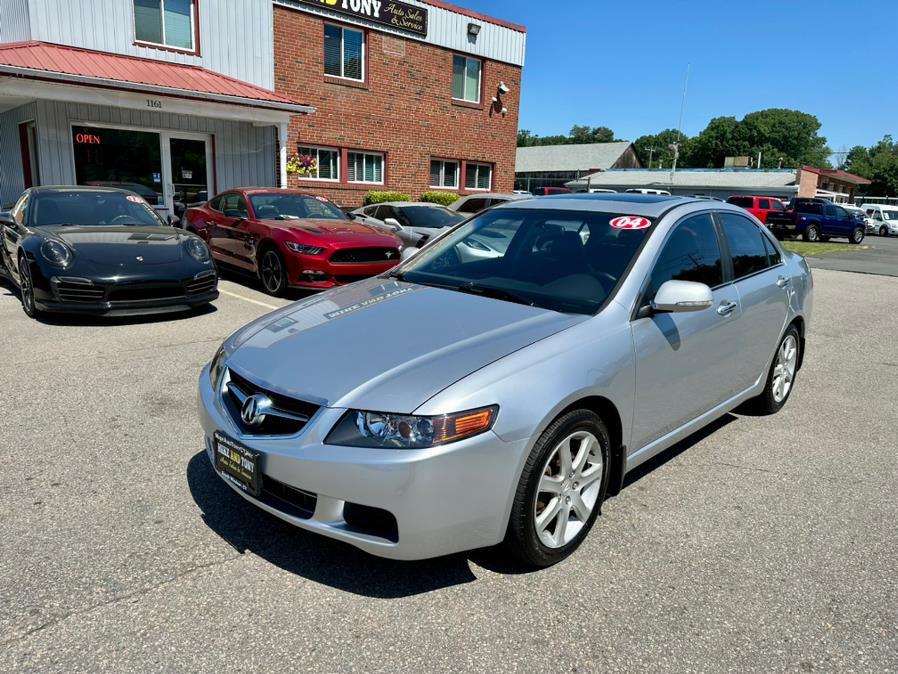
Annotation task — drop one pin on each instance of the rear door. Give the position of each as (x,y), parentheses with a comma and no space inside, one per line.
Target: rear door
(764,294)
(684,360)
(763,209)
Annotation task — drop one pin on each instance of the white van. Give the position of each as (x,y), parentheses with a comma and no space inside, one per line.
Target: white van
(881,219)
(645,190)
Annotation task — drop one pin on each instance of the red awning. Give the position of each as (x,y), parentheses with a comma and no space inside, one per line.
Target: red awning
(72,65)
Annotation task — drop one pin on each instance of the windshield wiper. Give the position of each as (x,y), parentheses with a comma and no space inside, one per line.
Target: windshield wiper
(498,294)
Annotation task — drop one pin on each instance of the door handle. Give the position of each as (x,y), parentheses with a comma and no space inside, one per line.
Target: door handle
(782,281)
(727,307)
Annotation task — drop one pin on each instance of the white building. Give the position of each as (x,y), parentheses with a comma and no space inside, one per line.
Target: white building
(171,95)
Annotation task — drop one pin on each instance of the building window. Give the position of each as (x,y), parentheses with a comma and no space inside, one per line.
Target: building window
(365,167)
(171,23)
(466,79)
(443,173)
(344,53)
(478,176)
(328,163)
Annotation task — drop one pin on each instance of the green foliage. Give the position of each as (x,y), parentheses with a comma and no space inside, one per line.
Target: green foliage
(382,197)
(444,198)
(787,138)
(657,147)
(878,163)
(579,135)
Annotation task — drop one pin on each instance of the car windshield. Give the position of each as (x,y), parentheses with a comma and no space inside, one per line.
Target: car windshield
(294,207)
(426,216)
(92,209)
(567,261)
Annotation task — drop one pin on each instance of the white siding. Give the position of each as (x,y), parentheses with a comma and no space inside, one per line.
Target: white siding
(446,29)
(244,155)
(14,21)
(12,180)
(236,36)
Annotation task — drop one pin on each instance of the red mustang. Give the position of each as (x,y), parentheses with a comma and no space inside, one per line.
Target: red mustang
(290,238)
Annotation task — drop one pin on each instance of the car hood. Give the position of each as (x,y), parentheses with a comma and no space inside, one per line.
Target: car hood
(110,245)
(384,345)
(338,232)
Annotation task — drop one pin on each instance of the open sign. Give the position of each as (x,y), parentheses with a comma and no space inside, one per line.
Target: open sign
(88,139)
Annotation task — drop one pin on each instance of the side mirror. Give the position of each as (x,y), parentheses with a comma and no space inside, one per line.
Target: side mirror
(408,252)
(234,213)
(682,296)
(393,224)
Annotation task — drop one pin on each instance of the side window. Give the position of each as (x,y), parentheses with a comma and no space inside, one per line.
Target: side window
(773,255)
(746,245)
(829,210)
(776,205)
(474,205)
(692,253)
(241,206)
(234,202)
(764,204)
(215,204)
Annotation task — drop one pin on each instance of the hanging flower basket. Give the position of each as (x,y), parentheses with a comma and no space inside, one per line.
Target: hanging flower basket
(302,166)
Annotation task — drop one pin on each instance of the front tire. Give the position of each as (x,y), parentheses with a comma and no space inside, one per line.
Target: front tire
(812,234)
(857,235)
(781,378)
(273,272)
(883,231)
(561,489)
(26,288)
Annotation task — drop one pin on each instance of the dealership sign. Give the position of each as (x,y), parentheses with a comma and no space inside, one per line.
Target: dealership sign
(397,15)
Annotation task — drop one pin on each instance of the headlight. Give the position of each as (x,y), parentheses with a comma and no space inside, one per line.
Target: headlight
(302,249)
(197,249)
(401,431)
(216,367)
(56,253)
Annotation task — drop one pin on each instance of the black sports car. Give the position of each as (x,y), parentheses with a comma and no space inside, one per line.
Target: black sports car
(101,250)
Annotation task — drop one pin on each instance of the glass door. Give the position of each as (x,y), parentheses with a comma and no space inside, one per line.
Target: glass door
(189,165)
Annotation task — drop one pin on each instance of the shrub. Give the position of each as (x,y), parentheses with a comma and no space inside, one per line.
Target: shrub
(382,197)
(444,198)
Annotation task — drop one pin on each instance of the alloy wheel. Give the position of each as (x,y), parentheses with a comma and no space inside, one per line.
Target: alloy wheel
(568,489)
(272,272)
(813,234)
(26,286)
(784,370)
(858,235)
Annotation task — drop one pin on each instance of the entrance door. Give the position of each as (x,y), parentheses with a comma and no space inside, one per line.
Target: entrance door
(188,160)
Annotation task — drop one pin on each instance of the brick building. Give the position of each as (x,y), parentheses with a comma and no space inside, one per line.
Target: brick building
(430,105)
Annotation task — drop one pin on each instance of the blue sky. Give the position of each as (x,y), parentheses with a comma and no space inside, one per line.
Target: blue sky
(621,63)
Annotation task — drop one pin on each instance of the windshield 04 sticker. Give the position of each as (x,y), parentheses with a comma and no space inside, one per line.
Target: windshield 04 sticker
(630,222)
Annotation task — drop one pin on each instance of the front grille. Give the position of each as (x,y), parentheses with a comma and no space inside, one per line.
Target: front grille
(364,255)
(143,292)
(287,499)
(74,291)
(201,286)
(286,416)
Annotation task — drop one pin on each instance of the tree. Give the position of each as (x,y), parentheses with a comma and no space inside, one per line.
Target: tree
(878,163)
(723,137)
(578,135)
(790,135)
(657,149)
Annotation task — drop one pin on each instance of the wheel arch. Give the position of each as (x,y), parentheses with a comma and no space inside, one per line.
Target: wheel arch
(801,326)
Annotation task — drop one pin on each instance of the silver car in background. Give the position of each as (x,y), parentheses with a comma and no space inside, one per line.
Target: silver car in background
(459,402)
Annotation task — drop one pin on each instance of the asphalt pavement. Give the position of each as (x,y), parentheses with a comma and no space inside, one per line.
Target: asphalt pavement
(761,544)
(880,256)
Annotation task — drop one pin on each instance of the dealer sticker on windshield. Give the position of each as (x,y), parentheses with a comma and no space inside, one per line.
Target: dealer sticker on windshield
(630,222)
(133,199)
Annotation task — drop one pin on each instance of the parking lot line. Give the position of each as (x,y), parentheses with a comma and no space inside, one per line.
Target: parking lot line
(248,299)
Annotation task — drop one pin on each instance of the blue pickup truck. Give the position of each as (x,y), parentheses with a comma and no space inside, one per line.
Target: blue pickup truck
(816,220)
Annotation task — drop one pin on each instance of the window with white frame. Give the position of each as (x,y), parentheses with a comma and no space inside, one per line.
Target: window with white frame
(443,173)
(478,176)
(328,163)
(171,23)
(344,52)
(466,79)
(365,167)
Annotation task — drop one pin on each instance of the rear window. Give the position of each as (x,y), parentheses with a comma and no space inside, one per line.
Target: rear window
(810,207)
(744,202)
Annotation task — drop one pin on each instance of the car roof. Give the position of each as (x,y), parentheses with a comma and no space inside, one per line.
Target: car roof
(249,191)
(648,205)
(493,195)
(56,189)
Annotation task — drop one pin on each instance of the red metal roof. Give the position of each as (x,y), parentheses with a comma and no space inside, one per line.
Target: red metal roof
(32,59)
(837,174)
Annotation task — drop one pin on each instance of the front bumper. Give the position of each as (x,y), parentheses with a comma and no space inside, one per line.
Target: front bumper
(444,500)
(311,271)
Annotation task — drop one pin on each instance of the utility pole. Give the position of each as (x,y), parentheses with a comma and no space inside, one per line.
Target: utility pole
(675,147)
(651,154)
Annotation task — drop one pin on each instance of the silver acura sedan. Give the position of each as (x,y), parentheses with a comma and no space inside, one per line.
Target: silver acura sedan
(459,401)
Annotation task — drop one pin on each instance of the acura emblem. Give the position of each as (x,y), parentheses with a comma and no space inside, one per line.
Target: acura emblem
(254,408)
